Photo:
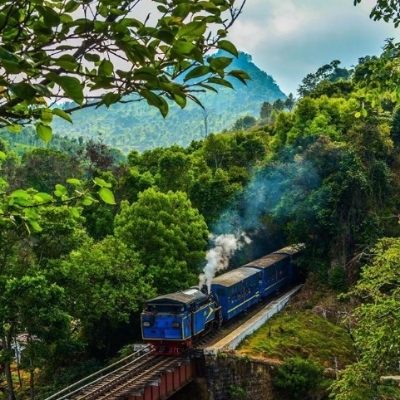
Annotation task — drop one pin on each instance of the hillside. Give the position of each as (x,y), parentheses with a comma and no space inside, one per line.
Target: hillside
(137,126)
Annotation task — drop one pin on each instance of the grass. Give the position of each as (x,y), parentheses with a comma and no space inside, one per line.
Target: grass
(300,333)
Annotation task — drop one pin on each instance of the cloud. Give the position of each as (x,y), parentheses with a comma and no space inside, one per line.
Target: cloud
(289,38)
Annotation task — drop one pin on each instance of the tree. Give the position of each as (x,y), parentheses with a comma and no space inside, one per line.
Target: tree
(290,102)
(42,169)
(278,105)
(118,287)
(266,110)
(169,235)
(96,53)
(244,123)
(300,379)
(386,10)
(328,72)
(61,233)
(380,79)
(34,306)
(377,329)
(173,169)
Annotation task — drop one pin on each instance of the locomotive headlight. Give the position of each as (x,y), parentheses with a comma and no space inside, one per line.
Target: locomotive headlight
(146,324)
(176,324)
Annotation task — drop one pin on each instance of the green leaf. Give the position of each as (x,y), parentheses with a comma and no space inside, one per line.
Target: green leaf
(228,46)
(106,68)
(357,114)
(101,182)
(208,87)
(20,193)
(180,100)
(109,98)
(154,100)
(3,156)
(196,72)
(14,128)
(35,225)
(182,10)
(46,115)
(166,35)
(23,90)
(67,62)
(41,89)
(44,132)
(5,55)
(71,6)
(184,48)
(74,212)
(240,75)
(195,99)
(71,86)
(87,201)
(62,114)
(219,81)
(92,57)
(192,29)
(74,181)
(50,16)
(107,195)
(162,9)
(60,190)
(43,197)
(219,63)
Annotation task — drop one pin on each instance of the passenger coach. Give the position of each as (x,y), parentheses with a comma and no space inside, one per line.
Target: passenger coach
(237,290)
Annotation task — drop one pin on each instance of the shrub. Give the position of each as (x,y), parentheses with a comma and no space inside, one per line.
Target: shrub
(298,378)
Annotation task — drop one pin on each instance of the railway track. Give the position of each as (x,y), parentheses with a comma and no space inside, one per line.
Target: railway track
(130,380)
(108,384)
(132,374)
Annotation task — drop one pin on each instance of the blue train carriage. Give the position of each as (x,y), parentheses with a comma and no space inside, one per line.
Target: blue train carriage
(237,290)
(292,251)
(276,269)
(171,322)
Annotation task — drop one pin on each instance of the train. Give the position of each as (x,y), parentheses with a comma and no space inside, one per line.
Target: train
(173,322)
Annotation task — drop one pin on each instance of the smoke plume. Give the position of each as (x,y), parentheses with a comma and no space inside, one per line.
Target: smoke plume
(219,256)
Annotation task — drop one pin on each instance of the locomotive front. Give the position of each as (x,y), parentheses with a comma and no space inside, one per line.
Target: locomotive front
(171,322)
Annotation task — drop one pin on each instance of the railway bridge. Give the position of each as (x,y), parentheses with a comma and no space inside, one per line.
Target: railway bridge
(143,376)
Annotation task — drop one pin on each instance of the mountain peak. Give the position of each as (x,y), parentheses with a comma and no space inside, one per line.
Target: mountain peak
(138,126)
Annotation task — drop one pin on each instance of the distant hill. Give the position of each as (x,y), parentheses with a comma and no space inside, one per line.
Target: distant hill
(138,126)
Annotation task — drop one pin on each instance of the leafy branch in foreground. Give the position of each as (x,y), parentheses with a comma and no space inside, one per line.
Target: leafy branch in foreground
(96,53)
(23,206)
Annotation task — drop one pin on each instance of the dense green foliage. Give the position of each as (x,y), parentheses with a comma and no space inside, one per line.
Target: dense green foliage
(298,378)
(312,173)
(170,237)
(377,330)
(96,53)
(322,170)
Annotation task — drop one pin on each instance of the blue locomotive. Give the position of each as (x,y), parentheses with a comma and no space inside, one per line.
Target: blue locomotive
(172,322)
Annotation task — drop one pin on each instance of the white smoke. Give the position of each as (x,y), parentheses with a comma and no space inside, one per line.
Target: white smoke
(219,256)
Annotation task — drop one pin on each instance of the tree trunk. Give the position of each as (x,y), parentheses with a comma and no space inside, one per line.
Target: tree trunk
(6,343)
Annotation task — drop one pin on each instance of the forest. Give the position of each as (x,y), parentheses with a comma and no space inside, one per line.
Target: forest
(89,233)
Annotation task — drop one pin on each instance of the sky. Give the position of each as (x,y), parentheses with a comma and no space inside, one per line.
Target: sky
(290,38)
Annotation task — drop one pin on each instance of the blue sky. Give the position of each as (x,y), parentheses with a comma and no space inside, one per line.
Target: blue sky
(290,38)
